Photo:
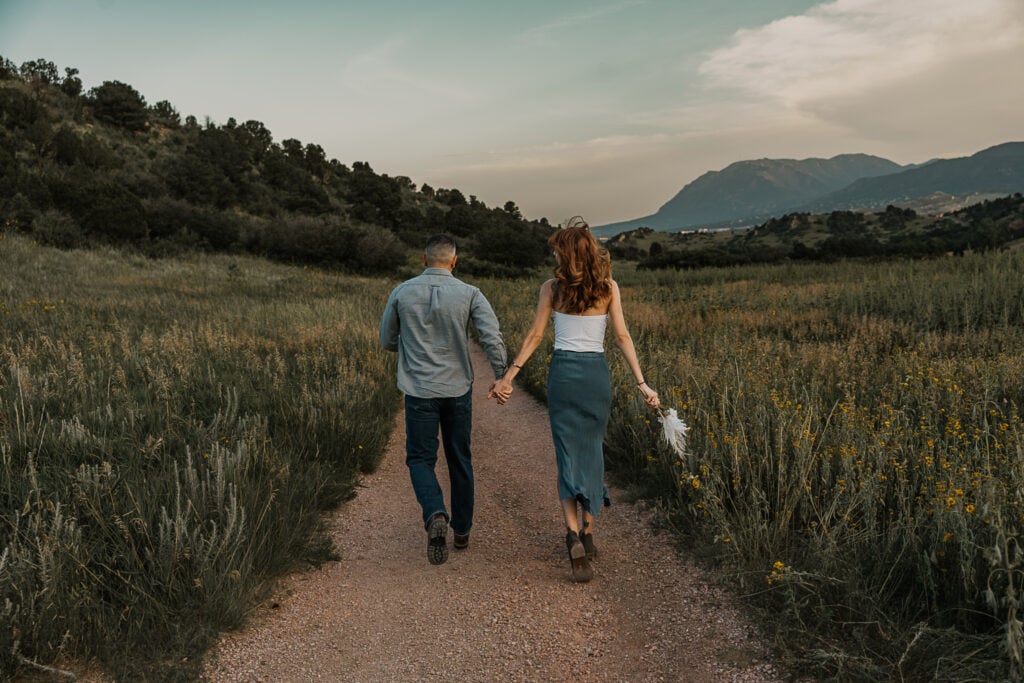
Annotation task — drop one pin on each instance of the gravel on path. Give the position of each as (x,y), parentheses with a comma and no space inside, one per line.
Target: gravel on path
(506,608)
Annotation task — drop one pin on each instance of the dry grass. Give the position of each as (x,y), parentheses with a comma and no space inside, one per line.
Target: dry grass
(170,432)
(856,450)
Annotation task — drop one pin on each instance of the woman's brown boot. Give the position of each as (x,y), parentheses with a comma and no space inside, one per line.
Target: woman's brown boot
(582,572)
(588,545)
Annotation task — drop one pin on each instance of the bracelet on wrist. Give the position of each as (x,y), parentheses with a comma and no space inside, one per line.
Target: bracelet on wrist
(517,366)
(640,384)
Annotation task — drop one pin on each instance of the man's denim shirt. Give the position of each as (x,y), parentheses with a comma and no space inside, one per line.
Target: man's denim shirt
(427,322)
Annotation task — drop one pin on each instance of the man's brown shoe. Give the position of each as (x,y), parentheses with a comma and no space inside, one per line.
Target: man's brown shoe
(460,542)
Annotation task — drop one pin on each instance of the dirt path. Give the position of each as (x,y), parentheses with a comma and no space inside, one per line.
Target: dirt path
(506,608)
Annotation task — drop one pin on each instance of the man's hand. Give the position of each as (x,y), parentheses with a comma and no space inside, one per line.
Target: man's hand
(501,390)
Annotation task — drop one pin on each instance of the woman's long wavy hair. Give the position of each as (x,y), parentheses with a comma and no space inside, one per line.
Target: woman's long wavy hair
(583,274)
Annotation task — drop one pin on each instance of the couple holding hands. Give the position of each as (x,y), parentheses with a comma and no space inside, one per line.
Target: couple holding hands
(427,322)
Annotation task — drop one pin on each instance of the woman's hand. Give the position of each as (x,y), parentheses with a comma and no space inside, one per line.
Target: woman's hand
(650,396)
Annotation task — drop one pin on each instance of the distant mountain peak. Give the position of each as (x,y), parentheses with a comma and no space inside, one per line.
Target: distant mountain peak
(751,191)
(998,170)
(754,189)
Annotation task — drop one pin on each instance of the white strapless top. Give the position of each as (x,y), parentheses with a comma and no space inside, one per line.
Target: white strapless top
(580,332)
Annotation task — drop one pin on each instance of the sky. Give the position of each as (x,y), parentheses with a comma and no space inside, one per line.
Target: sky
(602,108)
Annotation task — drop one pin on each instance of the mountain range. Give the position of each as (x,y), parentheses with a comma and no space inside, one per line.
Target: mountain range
(750,192)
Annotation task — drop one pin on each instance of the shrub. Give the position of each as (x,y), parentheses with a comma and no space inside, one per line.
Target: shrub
(378,251)
(17,213)
(119,104)
(18,108)
(108,210)
(67,146)
(57,229)
(306,239)
(204,227)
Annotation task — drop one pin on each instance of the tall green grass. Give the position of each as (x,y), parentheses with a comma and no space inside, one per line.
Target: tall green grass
(856,459)
(170,433)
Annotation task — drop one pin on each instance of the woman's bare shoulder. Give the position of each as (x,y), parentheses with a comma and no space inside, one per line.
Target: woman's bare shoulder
(547,292)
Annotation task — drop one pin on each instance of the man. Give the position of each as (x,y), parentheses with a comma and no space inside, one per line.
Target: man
(427,322)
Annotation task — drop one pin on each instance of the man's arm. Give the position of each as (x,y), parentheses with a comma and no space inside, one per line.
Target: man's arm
(486,324)
(389,324)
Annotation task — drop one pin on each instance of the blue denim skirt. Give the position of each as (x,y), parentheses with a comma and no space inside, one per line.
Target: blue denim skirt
(579,402)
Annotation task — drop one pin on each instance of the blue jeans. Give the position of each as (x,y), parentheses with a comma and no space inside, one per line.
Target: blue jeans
(454,417)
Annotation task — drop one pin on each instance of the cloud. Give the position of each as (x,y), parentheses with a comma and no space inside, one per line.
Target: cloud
(847,46)
(722,118)
(957,110)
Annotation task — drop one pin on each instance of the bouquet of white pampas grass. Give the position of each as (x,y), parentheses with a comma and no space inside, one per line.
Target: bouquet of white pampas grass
(674,430)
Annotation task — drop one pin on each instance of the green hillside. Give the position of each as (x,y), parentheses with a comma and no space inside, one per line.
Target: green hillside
(106,167)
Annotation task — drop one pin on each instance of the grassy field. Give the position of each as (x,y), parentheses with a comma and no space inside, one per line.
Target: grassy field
(856,462)
(170,433)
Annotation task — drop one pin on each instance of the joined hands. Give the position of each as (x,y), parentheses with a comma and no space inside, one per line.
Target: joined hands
(501,391)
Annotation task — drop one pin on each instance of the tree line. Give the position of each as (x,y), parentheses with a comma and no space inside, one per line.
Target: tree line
(992,224)
(103,166)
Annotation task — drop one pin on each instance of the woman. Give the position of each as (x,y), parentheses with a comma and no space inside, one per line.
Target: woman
(584,301)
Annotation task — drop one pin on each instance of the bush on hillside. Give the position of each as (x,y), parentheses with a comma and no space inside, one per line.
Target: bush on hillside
(332,243)
(119,104)
(206,228)
(57,229)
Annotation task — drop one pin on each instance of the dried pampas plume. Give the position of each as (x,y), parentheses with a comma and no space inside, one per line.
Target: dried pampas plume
(674,430)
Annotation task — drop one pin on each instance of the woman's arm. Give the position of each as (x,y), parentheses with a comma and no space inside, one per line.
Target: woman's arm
(503,387)
(625,343)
